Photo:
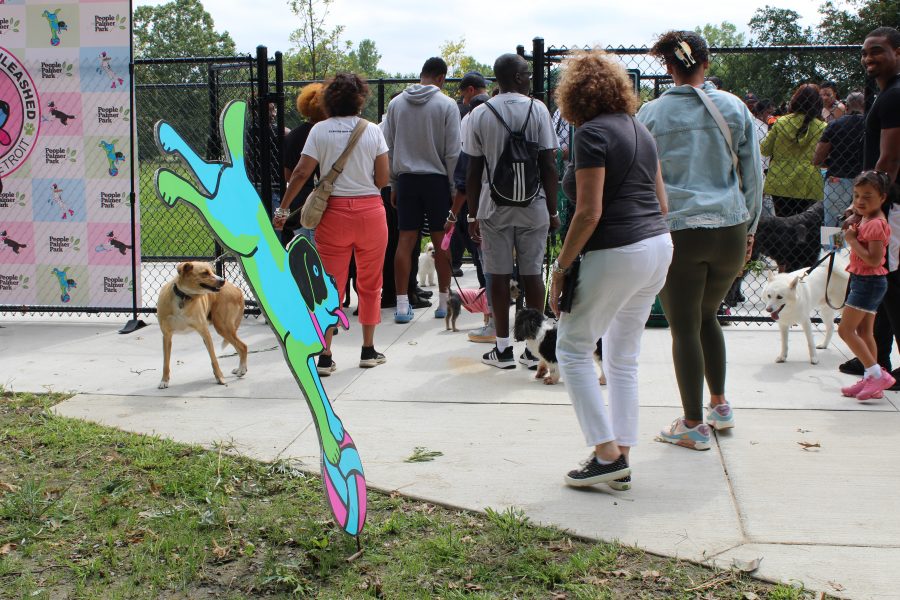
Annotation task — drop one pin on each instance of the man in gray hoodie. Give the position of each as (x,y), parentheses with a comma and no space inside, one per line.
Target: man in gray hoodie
(422,132)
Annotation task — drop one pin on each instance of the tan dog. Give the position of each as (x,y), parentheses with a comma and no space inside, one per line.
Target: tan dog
(195,298)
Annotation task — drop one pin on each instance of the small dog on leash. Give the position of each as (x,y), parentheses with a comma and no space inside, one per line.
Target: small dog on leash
(791,297)
(426,266)
(539,334)
(193,300)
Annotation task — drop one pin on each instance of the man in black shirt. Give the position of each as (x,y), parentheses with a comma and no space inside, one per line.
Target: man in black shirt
(841,150)
(881,60)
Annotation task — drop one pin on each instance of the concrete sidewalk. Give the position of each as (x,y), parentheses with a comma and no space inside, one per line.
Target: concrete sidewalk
(826,516)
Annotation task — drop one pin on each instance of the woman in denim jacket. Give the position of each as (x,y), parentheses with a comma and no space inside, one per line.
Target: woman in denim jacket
(714,206)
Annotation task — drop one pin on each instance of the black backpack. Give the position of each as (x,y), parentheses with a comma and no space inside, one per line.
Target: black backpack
(516,178)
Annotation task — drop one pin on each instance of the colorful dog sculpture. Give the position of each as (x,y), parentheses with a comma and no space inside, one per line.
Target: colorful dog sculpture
(283,282)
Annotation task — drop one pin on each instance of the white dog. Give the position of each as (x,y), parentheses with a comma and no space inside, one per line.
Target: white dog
(791,297)
(426,265)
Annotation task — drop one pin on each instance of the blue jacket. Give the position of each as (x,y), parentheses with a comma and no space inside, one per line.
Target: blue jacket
(696,164)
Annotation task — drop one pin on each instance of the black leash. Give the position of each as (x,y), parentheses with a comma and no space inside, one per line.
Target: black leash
(830,258)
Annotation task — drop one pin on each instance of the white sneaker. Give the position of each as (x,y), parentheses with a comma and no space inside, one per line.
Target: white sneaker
(484,335)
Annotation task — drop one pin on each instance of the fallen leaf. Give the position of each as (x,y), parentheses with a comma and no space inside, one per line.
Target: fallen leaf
(836,586)
(621,573)
(650,574)
(808,445)
(8,487)
(7,548)
(596,581)
(750,596)
(747,566)
(560,596)
(473,587)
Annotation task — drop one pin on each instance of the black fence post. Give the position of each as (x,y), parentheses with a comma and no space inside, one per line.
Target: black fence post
(279,120)
(537,73)
(134,323)
(265,131)
(380,98)
(214,141)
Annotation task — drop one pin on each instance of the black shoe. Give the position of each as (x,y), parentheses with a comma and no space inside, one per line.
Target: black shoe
(457,272)
(501,360)
(356,312)
(419,303)
(424,293)
(325,366)
(852,367)
(369,358)
(592,472)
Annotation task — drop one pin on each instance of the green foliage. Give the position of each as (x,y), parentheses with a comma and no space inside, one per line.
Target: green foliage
(178,28)
(318,51)
(776,75)
(459,63)
(722,35)
(849,21)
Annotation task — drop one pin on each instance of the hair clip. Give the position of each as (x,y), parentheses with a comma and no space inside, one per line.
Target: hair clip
(684,54)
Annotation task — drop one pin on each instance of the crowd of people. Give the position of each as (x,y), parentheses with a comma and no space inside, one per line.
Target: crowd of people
(665,201)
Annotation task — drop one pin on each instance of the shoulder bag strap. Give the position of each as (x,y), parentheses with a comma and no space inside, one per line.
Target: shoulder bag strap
(338,166)
(496,114)
(527,118)
(716,114)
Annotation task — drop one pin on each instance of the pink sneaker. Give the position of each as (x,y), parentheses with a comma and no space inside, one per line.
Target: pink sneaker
(873,388)
(852,390)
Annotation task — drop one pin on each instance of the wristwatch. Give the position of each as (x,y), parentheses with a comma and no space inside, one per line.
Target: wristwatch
(558,269)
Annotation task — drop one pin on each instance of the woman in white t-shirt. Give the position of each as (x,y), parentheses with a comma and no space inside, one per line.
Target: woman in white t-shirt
(354,221)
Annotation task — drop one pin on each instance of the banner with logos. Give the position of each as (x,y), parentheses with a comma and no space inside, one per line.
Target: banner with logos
(65,144)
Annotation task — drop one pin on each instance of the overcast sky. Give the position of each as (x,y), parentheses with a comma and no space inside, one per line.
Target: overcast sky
(407,32)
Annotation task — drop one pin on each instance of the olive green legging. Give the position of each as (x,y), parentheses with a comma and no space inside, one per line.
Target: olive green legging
(704,265)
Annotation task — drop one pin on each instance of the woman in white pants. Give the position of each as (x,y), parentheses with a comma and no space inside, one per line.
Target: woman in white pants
(619,229)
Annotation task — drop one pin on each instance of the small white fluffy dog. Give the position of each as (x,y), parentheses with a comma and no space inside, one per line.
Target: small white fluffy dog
(790,298)
(426,266)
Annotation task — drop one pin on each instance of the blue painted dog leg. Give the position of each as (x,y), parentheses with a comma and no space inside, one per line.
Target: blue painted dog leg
(172,143)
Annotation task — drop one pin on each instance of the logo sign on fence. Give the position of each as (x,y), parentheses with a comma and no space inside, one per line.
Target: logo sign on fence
(65,140)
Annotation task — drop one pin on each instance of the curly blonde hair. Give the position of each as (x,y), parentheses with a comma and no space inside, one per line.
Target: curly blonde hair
(593,83)
(309,102)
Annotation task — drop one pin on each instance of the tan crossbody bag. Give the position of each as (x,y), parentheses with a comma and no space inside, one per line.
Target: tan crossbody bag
(317,201)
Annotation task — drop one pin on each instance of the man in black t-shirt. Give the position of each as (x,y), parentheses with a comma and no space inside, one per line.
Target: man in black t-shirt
(841,150)
(881,60)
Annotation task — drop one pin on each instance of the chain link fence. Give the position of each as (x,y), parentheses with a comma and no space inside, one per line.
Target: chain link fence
(811,139)
(189,94)
(810,162)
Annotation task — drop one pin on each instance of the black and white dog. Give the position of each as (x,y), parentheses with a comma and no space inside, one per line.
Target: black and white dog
(539,334)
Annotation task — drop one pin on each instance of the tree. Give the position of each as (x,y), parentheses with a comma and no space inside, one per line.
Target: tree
(724,35)
(176,29)
(848,21)
(459,63)
(316,50)
(180,28)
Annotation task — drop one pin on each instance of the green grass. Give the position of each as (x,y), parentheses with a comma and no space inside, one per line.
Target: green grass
(165,231)
(92,512)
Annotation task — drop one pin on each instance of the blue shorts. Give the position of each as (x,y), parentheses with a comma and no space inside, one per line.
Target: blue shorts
(866,292)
